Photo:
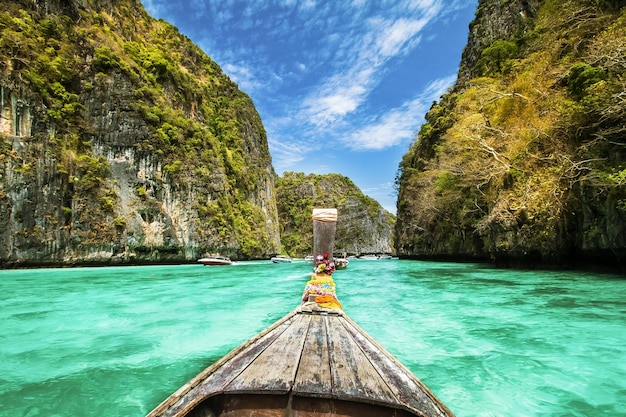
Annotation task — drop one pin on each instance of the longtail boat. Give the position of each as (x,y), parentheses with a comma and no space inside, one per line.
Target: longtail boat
(314,362)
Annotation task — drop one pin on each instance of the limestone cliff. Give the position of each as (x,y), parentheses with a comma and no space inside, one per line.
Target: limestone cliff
(363,226)
(494,20)
(121,141)
(523,162)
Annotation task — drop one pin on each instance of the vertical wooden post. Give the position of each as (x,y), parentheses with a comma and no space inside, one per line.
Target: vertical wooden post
(324,226)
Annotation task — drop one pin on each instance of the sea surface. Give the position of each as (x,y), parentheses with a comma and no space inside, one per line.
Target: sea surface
(116,341)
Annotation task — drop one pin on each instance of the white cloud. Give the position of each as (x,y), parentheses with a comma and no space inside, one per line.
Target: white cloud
(395,34)
(391,129)
(286,154)
(361,52)
(243,76)
(398,125)
(154,7)
(332,110)
(333,104)
(437,88)
(308,4)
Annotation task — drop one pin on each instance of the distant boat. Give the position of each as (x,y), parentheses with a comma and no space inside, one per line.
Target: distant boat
(281,259)
(215,260)
(341,263)
(309,258)
(370,257)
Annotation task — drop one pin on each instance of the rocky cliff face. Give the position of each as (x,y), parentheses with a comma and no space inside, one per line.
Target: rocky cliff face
(522,163)
(363,226)
(494,20)
(121,141)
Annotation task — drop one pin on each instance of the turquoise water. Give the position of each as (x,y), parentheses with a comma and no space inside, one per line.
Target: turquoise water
(117,341)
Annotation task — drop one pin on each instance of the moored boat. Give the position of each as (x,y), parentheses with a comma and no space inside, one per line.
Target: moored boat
(341,263)
(215,260)
(281,259)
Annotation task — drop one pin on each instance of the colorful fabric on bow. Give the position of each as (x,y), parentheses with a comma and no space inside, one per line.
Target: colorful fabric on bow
(322,288)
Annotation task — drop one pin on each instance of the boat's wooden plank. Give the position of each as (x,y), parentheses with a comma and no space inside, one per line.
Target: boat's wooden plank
(353,376)
(213,379)
(409,390)
(275,368)
(238,364)
(318,407)
(313,377)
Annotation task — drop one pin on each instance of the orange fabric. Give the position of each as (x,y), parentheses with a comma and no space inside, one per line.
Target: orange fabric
(328,301)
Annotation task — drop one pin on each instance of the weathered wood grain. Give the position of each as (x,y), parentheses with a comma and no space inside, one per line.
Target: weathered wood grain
(275,368)
(313,375)
(406,388)
(213,379)
(353,374)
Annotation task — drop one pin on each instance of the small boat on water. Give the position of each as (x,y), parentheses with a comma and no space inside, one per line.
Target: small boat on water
(215,260)
(341,263)
(281,259)
(309,258)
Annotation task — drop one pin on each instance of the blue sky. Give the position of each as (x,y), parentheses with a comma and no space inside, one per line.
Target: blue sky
(342,86)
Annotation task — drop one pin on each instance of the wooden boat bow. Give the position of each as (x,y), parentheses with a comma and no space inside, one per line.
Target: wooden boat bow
(312,362)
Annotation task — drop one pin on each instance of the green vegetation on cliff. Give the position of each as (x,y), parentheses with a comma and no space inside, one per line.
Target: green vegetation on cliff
(92,81)
(525,162)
